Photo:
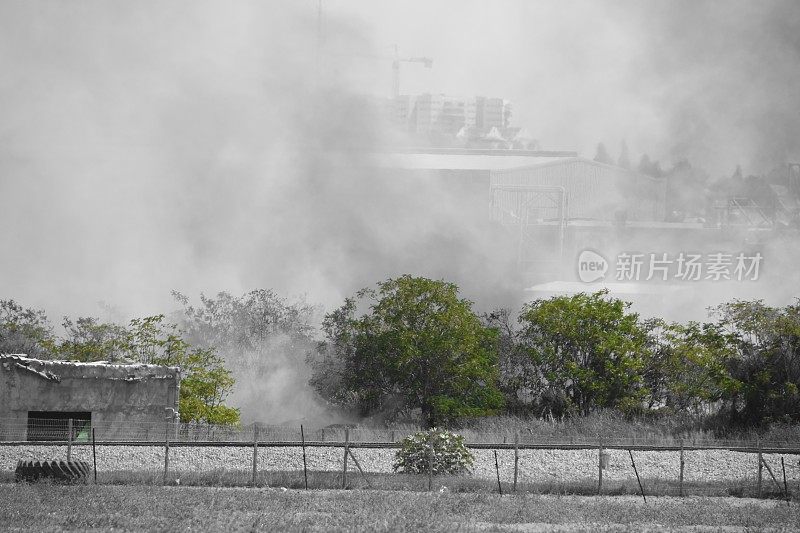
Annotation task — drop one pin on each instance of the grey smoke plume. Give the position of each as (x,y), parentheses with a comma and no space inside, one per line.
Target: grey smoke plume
(202,146)
(198,147)
(726,77)
(194,146)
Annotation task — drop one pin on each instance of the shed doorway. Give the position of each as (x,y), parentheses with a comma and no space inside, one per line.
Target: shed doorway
(54,425)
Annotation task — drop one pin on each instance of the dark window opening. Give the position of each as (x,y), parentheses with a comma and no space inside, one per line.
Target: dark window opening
(54,425)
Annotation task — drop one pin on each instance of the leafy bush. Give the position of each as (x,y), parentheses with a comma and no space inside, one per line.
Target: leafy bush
(450,454)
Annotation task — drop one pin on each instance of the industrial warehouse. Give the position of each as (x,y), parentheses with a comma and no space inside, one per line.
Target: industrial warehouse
(549,207)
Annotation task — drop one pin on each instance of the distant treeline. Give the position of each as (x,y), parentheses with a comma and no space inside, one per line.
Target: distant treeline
(410,349)
(411,345)
(691,193)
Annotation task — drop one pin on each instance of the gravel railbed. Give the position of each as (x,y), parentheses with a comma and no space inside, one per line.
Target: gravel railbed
(535,466)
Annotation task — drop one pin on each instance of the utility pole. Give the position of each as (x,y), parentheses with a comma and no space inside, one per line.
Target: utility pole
(318,58)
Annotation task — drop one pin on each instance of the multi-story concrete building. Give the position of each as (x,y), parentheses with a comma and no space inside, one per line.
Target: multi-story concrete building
(487,113)
(443,115)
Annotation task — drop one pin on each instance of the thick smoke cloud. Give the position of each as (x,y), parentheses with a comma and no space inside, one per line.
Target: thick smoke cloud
(725,76)
(201,146)
(146,148)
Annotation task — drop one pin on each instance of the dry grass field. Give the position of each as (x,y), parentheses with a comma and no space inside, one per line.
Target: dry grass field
(45,507)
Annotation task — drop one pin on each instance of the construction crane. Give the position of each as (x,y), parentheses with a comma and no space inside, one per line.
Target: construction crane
(395,59)
(428,62)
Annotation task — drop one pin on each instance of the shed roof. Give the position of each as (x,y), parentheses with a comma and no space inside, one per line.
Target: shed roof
(56,370)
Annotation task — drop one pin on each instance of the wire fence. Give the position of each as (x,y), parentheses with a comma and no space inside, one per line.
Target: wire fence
(16,431)
(256,453)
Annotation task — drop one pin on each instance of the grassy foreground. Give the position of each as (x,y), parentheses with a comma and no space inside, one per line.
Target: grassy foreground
(52,507)
(327,480)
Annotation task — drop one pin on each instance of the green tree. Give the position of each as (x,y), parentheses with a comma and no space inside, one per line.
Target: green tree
(589,349)
(264,339)
(520,381)
(650,168)
(602,155)
(88,339)
(624,160)
(205,382)
(765,366)
(417,346)
(686,365)
(329,361)
(248,323)
(24,330)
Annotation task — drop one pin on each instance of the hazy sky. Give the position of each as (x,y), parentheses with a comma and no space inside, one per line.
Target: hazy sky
(148,146)
(712,81)
(556,61)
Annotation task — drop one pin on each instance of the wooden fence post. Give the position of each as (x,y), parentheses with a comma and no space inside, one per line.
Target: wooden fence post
(166,444)
(303,444)
(169,416)
(94,458)
(255,451)
(785,485)
(680,477)
(346,453)
(772,475)
(635,471)
(600,467)
(430,460)
(516,458)
(760,469)
(363,475)
(69,439)
(497,469)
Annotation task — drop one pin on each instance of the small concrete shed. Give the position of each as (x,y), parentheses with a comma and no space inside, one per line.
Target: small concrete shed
(120,401)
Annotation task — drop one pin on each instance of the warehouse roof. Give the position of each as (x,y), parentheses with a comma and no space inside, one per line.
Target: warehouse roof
(465,159)
(562,160)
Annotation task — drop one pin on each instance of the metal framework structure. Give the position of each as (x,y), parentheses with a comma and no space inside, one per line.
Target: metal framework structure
(745,212)
(793,178)
(539,214)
